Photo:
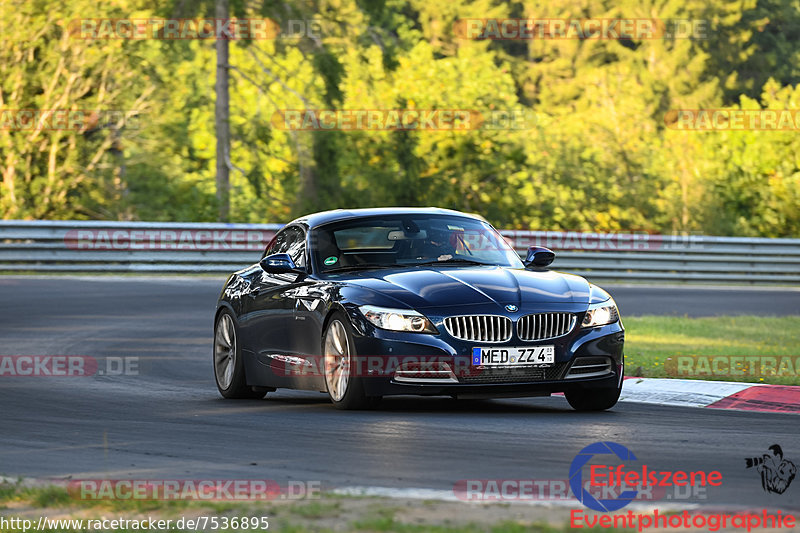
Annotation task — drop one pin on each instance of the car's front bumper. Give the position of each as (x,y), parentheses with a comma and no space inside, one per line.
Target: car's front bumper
(387,350)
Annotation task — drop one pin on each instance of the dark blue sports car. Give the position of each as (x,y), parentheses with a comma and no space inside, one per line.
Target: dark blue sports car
(367,303)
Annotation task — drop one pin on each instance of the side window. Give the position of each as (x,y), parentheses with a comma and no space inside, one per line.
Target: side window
(290,241)
(296,246)
(277,245)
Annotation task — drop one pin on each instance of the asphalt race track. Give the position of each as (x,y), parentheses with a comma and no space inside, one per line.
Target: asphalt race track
(165,420)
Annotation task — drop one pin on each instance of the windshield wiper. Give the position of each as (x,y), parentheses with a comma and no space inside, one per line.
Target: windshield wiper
(453,261)
(364,266)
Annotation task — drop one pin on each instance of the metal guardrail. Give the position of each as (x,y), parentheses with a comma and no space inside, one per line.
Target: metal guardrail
(163,247)
(677,258)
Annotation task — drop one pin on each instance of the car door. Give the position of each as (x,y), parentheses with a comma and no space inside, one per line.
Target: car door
(309,313)
(268,308)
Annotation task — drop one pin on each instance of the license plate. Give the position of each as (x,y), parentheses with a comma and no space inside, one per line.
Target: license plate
(511,356)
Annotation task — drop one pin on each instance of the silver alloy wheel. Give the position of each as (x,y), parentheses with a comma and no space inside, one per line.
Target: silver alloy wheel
(224,351)
(337,360)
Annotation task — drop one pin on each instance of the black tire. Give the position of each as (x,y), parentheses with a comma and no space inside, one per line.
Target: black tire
(227,358)
(593,399)
(337,344)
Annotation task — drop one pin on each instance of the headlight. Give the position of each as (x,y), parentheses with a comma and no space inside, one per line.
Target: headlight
(601,314)
(397,319)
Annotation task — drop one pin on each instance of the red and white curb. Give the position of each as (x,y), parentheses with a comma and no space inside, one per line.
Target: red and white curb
(712,394)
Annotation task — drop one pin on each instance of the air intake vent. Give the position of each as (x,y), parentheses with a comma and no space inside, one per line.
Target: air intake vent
(479,328)
(589,367)
(545,326)
(512,374)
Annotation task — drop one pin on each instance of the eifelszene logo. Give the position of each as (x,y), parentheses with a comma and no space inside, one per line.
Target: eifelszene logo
(576,476)
(776,472)
(620,484)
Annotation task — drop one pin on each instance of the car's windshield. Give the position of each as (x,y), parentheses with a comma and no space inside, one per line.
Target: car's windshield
(409,240)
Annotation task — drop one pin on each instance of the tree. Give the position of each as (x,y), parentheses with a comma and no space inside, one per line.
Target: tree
(221,117)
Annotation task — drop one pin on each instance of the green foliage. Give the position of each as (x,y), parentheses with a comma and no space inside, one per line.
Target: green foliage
(598,156)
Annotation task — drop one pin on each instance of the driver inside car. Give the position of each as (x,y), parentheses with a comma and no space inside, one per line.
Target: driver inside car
(439,246)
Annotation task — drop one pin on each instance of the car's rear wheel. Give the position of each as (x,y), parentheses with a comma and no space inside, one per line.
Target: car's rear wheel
(229,370)
(593,399)
(345,389)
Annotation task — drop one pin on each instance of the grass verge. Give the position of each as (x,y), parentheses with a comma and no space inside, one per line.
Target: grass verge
(653,345)
(330,513)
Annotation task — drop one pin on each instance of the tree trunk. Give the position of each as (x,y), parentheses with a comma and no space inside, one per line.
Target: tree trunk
(221,118)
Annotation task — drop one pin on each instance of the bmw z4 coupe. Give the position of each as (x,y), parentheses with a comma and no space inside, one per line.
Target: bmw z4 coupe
(366,303)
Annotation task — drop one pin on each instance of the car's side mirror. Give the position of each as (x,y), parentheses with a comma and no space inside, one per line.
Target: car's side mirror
(538,257)
(279,264)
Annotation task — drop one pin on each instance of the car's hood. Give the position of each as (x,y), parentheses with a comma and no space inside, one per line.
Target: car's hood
(422,288)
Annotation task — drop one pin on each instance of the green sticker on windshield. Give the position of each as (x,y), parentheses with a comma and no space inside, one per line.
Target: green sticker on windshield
(331,260)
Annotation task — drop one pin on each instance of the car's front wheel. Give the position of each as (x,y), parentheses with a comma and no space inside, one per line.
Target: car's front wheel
(345,389)
(593,399)
(228,365)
